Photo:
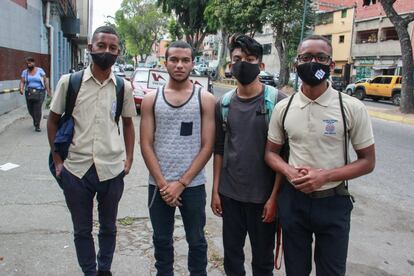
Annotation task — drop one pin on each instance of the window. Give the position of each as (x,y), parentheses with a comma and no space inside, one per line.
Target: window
(341,39)
(389,34)
(267,49)
(344,13)
(377,80)
(398,80)
(328,37)
(369,36)
(324,18)
(386,80)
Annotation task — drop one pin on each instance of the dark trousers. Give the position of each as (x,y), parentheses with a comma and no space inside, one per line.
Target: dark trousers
(327,219)
(240,219)
(79,195)
(194,219)
(35,109)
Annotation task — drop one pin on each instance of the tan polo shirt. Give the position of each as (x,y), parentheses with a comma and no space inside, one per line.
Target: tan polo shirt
(316,132)
(96,139)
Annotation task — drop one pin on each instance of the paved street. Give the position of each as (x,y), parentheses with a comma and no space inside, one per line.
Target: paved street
(36,232)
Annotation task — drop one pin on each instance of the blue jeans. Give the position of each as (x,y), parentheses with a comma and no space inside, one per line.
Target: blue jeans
(194,219)
(79,195)
(328,219)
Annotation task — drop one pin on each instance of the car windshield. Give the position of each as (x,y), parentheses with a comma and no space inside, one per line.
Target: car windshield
(141,76)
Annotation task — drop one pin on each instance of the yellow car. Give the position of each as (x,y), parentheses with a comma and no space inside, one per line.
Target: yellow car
(380,87)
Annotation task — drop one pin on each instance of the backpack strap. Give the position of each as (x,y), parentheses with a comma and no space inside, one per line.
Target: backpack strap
(224,107)
(75,81)
(270,100)
(120,87)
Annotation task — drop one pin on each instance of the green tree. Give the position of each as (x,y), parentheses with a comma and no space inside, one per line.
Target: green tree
(233,16)
(140,22)
(401,26)
(285,18)
(190,15)
(175,30)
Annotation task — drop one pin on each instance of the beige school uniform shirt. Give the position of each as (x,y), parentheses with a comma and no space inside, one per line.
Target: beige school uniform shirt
(96,139)
(315,130)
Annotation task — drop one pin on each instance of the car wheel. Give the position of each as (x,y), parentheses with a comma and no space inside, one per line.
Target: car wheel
(349,92)
(396,99)
(375,99)
(359,94)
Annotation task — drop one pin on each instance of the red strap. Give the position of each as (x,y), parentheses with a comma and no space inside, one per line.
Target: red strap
(279,248)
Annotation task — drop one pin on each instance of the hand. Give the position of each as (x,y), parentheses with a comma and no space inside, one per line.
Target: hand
(171,193)
(127,166)
(295,173)
(310,182)
(216,205)
(58,164)
(21,92)
(49,94)
(269,211)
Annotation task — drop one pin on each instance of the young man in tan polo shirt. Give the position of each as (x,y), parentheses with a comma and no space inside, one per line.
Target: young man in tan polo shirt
(315,200)
(96,163)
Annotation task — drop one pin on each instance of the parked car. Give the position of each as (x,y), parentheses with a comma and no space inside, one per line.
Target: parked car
(210,82)
(350,88)
(202,68)
(118,71)
(139,82)
(128,71)
(380,87)
(267,78)
(337,83)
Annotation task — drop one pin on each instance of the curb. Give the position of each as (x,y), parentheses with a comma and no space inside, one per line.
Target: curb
(390,117)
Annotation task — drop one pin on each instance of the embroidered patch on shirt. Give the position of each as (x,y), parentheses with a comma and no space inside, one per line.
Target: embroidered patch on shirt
(330,128)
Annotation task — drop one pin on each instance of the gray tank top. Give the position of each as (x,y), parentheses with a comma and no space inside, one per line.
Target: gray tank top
(177,138)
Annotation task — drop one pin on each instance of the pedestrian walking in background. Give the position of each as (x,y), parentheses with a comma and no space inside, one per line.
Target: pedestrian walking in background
(244,187)
(34,84)
(177,137)
(318,122)
(97,161)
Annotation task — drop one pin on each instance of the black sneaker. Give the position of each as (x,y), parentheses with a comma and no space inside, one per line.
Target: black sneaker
(104,273)
(37,129)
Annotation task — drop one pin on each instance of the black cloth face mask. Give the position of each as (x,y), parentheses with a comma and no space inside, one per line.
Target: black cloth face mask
(313,73)
(103,60)
(245,72)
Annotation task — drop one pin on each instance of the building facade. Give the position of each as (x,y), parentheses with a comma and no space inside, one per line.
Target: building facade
(49,31)
(270,55)
(376,48)
(336,25)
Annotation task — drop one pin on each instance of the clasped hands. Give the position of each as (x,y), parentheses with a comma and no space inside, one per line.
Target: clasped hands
(307,179)
(171,192)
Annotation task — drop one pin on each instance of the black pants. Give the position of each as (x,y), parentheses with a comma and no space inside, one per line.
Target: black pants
(239,219)
(35,108)
(79,195)
(327,219)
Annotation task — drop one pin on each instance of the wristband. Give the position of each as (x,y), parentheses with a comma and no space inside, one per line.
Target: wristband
(182,183)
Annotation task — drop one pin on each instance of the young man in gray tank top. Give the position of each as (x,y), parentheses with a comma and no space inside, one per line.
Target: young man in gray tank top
(177,137)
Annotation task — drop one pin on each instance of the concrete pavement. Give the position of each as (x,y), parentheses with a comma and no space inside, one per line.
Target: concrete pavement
(36,232)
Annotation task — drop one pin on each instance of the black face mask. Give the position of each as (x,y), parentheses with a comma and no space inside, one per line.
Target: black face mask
(245,72)
(104,60)
(30,67)
(313,73)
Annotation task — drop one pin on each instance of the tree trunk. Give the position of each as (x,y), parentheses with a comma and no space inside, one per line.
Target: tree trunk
(401,25)
(222,55)
(283,57)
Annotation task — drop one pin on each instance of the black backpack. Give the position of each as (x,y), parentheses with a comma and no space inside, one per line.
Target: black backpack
(64,134)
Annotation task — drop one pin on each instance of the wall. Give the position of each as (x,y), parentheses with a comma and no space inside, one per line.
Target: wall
(401,6)
(22,34)
(271,61)
(340,26)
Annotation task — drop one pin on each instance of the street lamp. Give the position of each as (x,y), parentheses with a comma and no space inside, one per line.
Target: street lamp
(305,8)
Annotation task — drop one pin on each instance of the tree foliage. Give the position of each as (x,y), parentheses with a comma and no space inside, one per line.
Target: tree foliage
(190,15)
(175,30)
(285,17)
(401,24)
(139,22)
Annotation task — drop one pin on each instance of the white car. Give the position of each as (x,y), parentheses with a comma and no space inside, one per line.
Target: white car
(350,88)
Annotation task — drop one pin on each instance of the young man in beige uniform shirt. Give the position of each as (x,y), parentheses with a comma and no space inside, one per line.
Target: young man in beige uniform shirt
(315,200)
(96,162)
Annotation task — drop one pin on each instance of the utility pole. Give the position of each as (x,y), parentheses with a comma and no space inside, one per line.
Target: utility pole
(302,31)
